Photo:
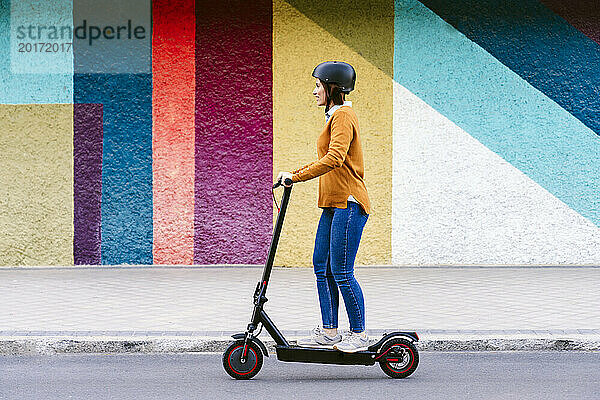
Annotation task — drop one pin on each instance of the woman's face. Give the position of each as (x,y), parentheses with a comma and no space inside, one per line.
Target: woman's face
(319,93)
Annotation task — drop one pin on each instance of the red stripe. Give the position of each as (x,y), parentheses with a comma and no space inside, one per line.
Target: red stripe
(173,76)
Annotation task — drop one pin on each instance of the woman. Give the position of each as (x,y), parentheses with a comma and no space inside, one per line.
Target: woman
(346,207)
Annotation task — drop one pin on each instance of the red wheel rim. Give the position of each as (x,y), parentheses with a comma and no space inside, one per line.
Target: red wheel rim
(412,359)
(235,370)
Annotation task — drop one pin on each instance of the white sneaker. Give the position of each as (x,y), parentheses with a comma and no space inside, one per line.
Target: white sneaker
(319,338)
(353,342)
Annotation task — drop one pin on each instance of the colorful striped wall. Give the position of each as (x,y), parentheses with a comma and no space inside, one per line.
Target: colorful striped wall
(480,123)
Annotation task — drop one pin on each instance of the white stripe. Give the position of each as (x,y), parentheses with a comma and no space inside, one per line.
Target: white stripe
(455,202)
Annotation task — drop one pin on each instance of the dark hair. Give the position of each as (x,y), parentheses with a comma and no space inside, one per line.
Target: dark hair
(332,93)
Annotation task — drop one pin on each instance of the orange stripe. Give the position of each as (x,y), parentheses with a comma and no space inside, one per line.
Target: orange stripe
(173,75)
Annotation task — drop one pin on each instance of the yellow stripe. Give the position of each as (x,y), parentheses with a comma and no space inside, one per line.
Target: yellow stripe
(36,177)
(299,44)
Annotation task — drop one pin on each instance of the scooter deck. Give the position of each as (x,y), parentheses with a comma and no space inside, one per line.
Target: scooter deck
(324,355)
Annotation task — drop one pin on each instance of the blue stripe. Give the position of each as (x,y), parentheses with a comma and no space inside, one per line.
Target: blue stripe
(496,106)
(537,44)
(127,163)
(38,86)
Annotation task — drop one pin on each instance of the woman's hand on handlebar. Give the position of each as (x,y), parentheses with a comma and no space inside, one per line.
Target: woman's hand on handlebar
(283,175)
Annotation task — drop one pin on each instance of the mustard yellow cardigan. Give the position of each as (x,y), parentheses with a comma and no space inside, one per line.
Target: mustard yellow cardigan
(340,166)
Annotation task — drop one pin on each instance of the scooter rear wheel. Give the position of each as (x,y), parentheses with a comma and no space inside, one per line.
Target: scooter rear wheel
(232,360)
(399,358)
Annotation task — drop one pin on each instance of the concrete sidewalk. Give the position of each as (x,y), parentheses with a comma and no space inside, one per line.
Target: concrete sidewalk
(173,309)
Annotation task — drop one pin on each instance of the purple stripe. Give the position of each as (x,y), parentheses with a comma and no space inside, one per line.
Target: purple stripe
(234,132)
(582,14)
(87,141)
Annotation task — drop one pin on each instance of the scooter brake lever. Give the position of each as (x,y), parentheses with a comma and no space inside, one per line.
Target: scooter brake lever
(286,182)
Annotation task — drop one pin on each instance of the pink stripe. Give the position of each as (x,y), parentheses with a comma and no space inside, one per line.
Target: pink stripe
(234,132)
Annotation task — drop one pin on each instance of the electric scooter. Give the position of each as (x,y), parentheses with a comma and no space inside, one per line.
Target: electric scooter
(396,352)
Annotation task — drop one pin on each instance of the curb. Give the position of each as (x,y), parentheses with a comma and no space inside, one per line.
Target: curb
(48,345)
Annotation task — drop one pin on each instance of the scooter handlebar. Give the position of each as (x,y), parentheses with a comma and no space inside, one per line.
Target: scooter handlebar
(288,182)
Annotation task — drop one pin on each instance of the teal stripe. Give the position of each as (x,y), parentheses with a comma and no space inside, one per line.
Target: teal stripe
(497,107)
(34,77)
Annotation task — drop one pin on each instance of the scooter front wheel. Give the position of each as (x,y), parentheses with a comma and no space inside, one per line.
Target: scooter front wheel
(239,365)
(398,358)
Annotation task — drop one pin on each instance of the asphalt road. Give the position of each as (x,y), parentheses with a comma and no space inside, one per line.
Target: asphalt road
(460,375)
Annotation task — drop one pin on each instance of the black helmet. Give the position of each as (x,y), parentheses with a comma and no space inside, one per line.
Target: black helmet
(336,72)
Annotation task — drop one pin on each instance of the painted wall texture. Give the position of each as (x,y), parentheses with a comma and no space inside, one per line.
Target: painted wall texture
(149,132)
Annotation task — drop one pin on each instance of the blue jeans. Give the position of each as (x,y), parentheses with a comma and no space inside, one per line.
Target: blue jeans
(336,244)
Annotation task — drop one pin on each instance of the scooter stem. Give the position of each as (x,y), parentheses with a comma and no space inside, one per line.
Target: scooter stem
(287,190)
